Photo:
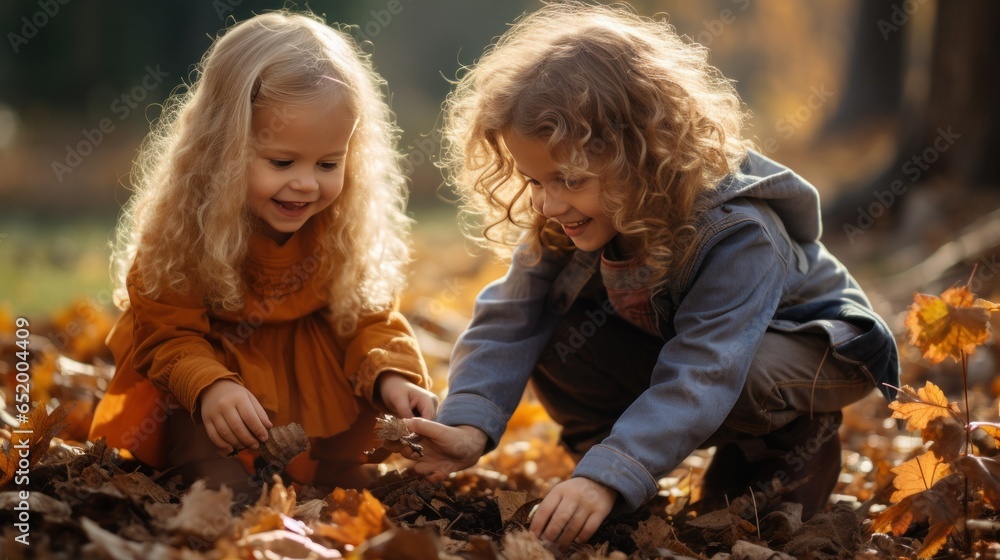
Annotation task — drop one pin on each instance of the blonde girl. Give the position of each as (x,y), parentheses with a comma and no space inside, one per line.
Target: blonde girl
(668,289)
(259,260)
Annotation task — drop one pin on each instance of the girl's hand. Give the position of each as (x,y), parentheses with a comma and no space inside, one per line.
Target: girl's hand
(446,449)
(402,397)
(233,417)
(573,511)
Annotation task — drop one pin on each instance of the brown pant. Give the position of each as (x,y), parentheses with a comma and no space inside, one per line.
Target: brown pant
(792,375)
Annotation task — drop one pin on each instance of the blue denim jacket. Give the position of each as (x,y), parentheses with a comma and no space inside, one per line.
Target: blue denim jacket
(757,264)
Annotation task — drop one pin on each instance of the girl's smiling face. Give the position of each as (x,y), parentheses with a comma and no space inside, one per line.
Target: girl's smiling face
(574,204)
(297,170)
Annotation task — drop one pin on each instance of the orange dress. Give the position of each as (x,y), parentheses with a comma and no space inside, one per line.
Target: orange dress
(280,346)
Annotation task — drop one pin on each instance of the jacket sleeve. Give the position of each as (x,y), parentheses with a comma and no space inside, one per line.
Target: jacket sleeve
(384,341)
(700,372)
(494,357)
(171,348)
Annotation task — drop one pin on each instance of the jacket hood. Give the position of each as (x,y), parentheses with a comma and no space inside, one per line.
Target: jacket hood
(794,200)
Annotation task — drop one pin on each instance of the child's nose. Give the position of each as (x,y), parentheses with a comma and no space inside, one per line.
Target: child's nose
(551,204)
(305,181)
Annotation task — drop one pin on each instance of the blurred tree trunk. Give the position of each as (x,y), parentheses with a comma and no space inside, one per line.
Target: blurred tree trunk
(951,137)
(874,68)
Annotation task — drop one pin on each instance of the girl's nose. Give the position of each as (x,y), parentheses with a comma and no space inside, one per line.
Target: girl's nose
(305,181)
(550,203)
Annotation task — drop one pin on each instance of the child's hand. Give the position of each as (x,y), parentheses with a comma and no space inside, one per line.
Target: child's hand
(402,397)
(573,511)
(446,449)
(233,417)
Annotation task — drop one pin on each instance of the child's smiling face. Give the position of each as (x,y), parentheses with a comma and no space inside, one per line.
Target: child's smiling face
(576,206)
(297,169)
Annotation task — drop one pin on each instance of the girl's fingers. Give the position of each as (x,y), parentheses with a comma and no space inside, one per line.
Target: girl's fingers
(589,528)
(540,521)
(241,436)
(428,428)
(427,406)
(250,419)
(400,406)
(572,529)
(216,439)
(262,415)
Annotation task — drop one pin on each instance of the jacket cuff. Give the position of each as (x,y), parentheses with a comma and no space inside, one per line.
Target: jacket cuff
(191,375)
(399,356)
(467,409)
(614,469)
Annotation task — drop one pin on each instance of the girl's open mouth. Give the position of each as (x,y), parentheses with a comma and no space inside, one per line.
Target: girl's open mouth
(574,229)
(293,209)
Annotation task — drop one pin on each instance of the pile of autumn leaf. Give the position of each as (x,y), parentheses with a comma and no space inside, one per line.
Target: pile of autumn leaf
(940,500)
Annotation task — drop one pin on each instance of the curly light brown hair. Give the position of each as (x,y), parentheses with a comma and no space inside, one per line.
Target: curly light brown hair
(188,220)
(613,94)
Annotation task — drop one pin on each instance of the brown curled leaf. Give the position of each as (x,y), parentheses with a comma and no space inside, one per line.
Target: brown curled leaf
(283,444)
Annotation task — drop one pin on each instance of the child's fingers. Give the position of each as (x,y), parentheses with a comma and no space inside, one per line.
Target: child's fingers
(427,406)
(427,428)
(540,521)
(589,528)
(399,406)
(237,419)
(265,422)
(217,440)
(571,528)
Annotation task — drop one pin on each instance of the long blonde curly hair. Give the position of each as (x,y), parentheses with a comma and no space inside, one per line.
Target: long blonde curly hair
(189,220)
(614,95)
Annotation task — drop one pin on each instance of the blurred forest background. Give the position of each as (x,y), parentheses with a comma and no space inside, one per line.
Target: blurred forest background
(886,106)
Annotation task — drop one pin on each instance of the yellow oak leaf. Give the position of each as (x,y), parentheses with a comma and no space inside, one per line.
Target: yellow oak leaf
(949,325)
(918,474)
(919,407)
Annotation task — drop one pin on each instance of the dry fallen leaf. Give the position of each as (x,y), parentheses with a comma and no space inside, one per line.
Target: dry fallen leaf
(392,431)
(204,513)
(936,538)
(983,472)
(921,406)
(918,474)
(30,441)
(354,517)
(509,502)
(949,325)
(283,444)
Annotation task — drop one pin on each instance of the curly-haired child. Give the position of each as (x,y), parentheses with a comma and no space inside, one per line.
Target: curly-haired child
(668,290)
(259,262)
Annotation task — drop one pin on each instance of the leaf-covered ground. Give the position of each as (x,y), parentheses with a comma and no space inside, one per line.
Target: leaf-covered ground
(80,500)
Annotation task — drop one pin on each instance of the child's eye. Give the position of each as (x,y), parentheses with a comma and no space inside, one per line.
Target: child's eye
(328,166)
(281,163)
(571,183)
(532,182)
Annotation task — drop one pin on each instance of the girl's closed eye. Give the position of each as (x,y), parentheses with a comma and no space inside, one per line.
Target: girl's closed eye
(328,165)
(280,163)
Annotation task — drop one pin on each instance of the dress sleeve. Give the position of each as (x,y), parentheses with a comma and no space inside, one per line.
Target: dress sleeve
(171,348)
(384,341)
